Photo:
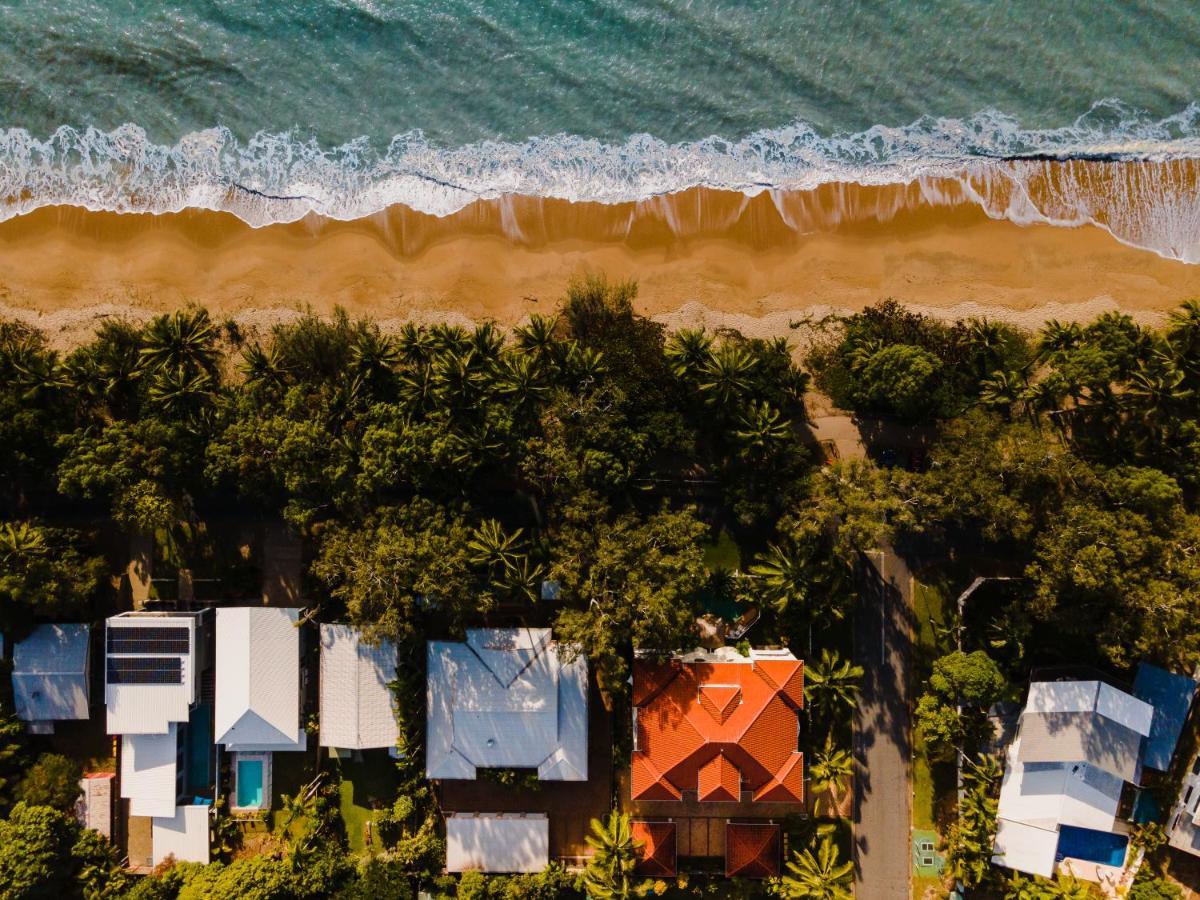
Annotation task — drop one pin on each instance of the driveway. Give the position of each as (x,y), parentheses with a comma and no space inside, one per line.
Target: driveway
(883,630)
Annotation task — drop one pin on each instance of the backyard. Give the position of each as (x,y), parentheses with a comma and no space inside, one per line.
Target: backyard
(367,787)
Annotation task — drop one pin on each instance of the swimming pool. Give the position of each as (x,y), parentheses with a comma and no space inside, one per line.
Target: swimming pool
(249,783)
(1093,846)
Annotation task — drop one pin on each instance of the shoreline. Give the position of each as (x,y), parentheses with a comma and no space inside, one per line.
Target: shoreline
(765,261)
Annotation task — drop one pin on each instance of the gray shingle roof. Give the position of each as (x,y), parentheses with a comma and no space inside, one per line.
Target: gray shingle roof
(50,673)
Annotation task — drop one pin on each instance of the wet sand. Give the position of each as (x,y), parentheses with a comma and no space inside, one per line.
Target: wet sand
(761,263)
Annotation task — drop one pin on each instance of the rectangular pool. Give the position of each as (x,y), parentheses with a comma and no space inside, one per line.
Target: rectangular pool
(1093,846)
(250,783)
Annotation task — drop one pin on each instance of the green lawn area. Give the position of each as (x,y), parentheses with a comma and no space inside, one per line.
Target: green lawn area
(723,554)
(367,787)
(290,773)
(933,783)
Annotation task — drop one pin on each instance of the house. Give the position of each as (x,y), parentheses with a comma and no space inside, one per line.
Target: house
(505,699)
(184,837)
(257,695)
(358,711)
(51,676)
(151,687)
(497,842)
(659,845)
(1072,774)
(713,727)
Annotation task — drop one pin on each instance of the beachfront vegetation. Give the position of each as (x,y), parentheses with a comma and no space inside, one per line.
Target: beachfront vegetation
(570,473)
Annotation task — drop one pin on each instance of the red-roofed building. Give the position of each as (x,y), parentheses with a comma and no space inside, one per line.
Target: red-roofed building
(752,850)
(658,840)
(718,727)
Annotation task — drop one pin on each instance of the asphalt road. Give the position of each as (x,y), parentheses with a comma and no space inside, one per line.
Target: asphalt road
(883,628)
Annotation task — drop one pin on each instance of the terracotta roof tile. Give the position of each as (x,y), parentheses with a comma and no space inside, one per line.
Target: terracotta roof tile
(751,850)
(719,779)
(658,853)
(788,784)
(720,700)
(787,675)
(736,711)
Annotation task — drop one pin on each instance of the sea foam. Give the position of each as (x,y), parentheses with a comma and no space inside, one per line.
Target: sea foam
(1023,175)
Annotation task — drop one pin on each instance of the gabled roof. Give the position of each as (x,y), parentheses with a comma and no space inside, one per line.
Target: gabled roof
(505,699)
(497,842)
(658,851)
(258,679)
(752,850)
(1084,721)
(148,776)
(149,707)
(357,706)
(1171,696)
(183,835)
(718,724)
(50,673)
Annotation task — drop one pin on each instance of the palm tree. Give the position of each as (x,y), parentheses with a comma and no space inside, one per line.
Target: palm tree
(374,357)
(986,340)
(537,338)
(487,341)
(726,376)
(415,345)
(688,352)
(1068,887)
(818,876)
(521,377)
(1057,337)
(785,574)
(609,874)
(1156,392)
(179,392)
(583,365)
(265,368)
(185,339)
(1183,337)
(762,430)
(1002,391)
(830,770)
(832,684)
(21,540)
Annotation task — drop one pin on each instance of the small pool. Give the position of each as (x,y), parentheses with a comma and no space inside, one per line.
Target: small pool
(250,783)
(1093,846)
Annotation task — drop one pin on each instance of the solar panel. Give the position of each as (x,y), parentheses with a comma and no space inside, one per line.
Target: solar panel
(145,670)
(156,639)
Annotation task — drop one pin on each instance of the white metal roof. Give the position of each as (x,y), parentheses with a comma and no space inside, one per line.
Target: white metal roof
(504,699)
(258,679)
(183,835)
(1026,848)
(151,708)
(357,707)
(497,842)
(148,772)
(50,673)
(1090,696)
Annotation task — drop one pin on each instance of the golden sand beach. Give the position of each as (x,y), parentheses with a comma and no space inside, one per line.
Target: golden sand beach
(760,263)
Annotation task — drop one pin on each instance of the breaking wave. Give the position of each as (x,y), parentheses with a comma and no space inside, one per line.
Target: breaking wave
(1113,167)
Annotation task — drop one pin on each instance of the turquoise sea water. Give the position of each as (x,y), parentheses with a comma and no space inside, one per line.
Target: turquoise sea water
(344,106)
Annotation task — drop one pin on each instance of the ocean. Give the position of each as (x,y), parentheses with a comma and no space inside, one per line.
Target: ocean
(276,110)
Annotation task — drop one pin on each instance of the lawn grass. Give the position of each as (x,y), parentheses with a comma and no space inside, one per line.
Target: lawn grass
(290,773)
(723,554)
(367,787)
(929,603)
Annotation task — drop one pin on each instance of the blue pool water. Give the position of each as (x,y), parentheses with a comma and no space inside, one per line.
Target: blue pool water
(249,783)
(1093,846)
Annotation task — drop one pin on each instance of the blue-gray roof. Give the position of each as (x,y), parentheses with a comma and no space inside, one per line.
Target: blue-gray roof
(50,674)
(1171,696)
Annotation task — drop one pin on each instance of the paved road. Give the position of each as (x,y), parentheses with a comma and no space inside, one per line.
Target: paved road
(882,734)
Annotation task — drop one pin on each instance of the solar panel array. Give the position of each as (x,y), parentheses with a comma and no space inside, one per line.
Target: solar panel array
(145,670)
(155,639)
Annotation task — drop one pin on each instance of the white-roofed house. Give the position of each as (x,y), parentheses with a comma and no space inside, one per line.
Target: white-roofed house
(183,836)
(497,842)
(505,699)
(358,711)
(50,676)
(257,695)
(153,663)
(1079,746)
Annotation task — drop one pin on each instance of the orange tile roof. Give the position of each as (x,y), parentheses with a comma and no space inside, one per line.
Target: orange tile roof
(751,850)
(719,779)
(658,850)
(711,726)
